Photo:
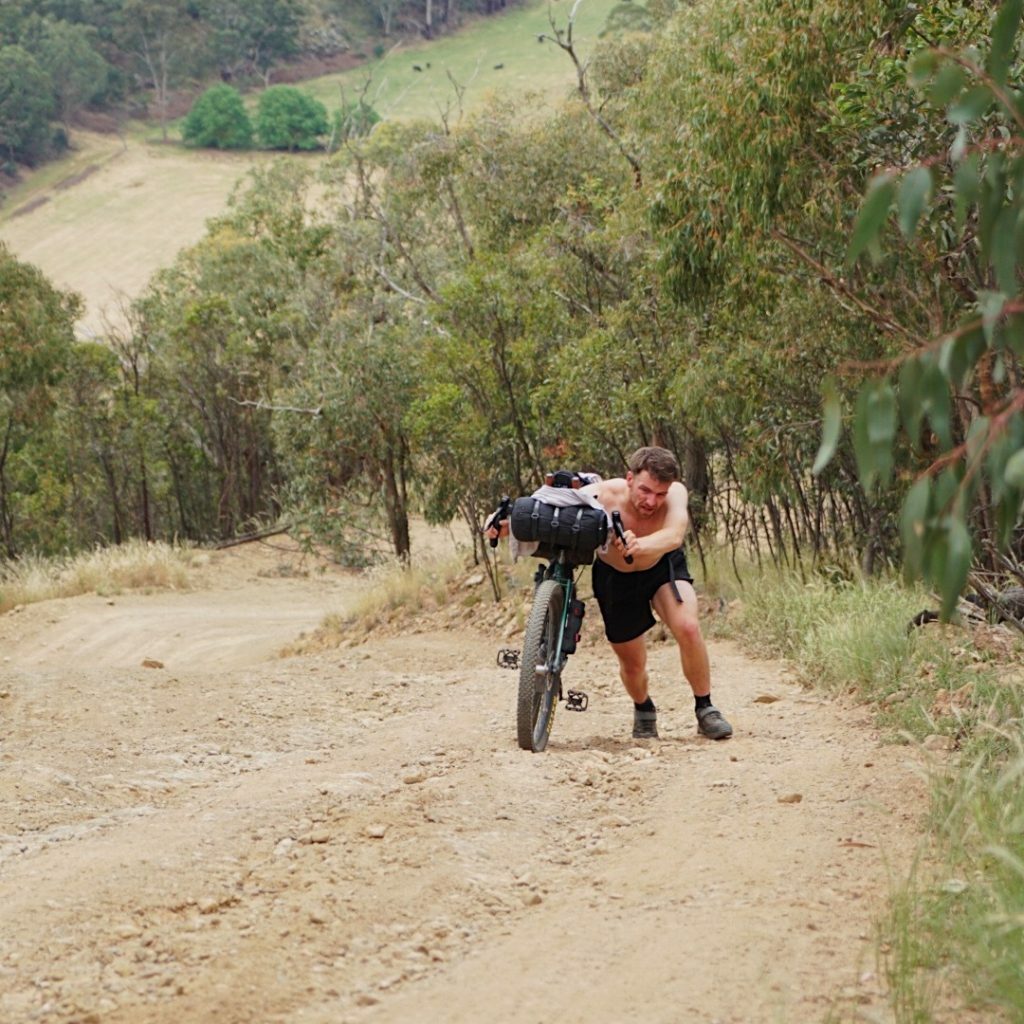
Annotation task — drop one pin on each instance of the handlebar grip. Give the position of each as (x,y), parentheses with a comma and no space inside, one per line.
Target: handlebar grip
(620,533)
(502,512)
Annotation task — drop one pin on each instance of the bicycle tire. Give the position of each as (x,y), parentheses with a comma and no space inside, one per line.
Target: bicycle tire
(539,677)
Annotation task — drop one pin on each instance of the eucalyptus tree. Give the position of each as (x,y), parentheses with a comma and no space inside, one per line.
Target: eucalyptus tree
(36,339)
(26,106)
(221,325)
(161,36)
(955,387)
(253,35)
(78,72)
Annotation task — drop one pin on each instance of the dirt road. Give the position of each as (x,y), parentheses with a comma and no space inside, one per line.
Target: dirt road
(353,836)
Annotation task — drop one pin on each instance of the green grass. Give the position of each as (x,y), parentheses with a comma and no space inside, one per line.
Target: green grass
(469,58)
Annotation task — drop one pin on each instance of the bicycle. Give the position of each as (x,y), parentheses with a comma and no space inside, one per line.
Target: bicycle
(552,634)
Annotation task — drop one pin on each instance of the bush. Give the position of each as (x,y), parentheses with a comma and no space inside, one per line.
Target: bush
(290,119)
(353,120)
(218,120)
(26,105)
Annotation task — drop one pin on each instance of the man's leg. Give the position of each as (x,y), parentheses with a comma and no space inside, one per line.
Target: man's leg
(632,657)
(682,621)
(681,618)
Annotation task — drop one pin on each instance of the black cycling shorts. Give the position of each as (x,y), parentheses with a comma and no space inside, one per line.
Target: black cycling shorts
(625,597)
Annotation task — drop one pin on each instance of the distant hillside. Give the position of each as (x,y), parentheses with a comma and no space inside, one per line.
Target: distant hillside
(102,219)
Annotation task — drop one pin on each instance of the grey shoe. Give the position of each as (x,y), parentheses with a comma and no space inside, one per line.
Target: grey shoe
(645,725)
(710,723)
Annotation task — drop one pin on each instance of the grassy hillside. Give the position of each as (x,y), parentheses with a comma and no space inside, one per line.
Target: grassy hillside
(493,56)
(105,218)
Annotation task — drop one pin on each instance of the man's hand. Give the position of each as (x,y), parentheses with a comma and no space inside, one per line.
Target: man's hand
(623,538)
(497,525)
(498,530)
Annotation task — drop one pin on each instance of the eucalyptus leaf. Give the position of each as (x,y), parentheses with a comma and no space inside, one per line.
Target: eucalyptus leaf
(1004,30)
(832,423)
(965,187)
(881,414)
(863,450)
(871,216)
(957,565)
(1004,249)
(915,191)
(950,79)
(913,522)
(1013,474)
(971,105)
(911,399)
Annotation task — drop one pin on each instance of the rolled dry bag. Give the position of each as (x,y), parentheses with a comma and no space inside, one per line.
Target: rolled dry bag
(580,529)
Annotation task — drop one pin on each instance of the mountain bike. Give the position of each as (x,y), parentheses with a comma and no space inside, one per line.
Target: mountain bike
(552,635)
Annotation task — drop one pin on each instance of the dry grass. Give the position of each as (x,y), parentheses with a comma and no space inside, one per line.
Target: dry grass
(107,235)
(135,565)
(394,591)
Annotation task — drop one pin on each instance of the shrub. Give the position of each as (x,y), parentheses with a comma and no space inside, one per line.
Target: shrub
(218,120)
(290,119)
(352,121)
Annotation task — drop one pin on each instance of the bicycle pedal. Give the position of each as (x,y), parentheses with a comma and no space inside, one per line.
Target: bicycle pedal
(508,657)
(575,700)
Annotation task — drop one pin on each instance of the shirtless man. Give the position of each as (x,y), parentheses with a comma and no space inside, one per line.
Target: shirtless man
(653,505)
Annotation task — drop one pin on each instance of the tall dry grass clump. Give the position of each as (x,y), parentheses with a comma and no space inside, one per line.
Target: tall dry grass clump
(135,565)
(393,590)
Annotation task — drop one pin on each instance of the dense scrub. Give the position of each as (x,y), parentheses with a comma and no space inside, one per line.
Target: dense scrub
(448,309)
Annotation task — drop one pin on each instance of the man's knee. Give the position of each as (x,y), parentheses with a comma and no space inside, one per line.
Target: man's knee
(686,630)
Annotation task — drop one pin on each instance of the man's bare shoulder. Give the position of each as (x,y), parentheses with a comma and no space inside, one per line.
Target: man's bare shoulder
(608,492)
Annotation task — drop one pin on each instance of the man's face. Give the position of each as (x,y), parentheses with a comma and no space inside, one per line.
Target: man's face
(646,495)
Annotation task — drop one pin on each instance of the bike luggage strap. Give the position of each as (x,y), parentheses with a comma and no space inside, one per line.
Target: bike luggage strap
(672,578)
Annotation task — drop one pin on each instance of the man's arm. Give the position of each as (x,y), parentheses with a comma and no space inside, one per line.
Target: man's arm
(670,536)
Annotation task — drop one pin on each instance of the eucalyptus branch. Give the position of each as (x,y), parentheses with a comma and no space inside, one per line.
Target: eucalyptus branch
(983,76)
(270,407)
(390,233)
(563,40)
(399,289)
(840,287)
(888,365)
(570,301)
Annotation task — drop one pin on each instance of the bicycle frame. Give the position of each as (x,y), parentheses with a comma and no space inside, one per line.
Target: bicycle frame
(561,570)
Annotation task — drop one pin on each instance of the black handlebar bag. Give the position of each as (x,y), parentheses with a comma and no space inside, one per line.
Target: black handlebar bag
(580,529)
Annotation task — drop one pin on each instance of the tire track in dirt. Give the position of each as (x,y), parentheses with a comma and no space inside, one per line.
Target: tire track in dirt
(353,835)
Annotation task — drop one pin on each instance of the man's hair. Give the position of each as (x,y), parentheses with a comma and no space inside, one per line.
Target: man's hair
(659,462)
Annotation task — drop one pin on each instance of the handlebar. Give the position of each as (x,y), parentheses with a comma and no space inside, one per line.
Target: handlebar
(620,533)
(503,511)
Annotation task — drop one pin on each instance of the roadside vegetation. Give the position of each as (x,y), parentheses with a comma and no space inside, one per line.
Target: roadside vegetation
(134,565)
(744,200)
(952,941)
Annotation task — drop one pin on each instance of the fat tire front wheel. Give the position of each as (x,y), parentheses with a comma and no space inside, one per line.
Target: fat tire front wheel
(539,675)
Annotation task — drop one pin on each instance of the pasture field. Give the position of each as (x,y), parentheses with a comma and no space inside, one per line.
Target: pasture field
(496,56)
(115,210)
